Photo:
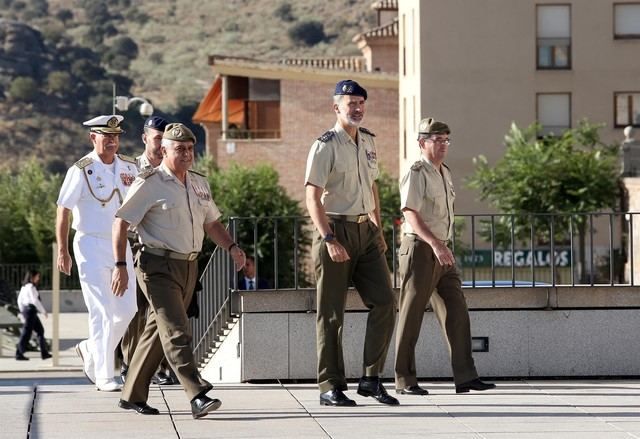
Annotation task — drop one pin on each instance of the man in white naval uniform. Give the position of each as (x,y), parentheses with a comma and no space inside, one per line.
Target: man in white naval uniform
(92,192)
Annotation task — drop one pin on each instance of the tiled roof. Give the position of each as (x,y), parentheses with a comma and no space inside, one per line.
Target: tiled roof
(386,30)
(350,63)
(389,5)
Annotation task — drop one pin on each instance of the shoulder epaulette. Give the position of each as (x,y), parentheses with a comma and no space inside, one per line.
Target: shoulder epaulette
(127,158)
(83,162)
(366,131)
(416,166)
(326,136)
(147,173)
(198,173)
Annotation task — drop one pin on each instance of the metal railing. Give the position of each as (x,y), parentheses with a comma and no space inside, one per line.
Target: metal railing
(492,250)
(214,302)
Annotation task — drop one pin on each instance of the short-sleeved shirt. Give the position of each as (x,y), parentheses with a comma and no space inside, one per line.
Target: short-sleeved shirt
(345,170)
(168,214)
(143,162)
(94,193)
(431,194)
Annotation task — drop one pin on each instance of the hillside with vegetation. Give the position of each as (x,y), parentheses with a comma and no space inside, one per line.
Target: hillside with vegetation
(59,59)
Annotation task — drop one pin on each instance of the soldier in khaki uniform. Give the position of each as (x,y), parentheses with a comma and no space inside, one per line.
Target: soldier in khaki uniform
(172,210)
(150,158)
(342,200)
(427,263)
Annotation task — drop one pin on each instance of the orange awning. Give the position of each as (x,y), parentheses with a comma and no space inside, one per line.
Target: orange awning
(210,108)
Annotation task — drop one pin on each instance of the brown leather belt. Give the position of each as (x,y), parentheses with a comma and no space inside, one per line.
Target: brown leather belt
(350,218)
(170,254)
(417,238)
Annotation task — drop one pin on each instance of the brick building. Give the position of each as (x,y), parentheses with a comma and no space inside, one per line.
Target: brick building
(271,112)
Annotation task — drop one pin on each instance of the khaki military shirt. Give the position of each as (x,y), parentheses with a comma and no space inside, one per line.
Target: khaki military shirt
(345,170)
(143,162)
(167,214)
(431,194)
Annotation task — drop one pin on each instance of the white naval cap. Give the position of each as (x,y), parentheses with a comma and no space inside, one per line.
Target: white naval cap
(109,124)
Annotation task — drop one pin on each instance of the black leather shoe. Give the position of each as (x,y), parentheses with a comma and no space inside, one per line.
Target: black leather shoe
(21,357)
(45,355)
(162,378)
(372,386)
(476,384)
(141,407)
(201,405)
(412,390)
(336,397)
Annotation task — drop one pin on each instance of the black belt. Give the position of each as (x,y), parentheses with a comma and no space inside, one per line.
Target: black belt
(170,254)
(350,218)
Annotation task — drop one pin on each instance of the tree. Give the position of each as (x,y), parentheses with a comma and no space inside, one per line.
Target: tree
(23,89)
(309,33)
(569,174)
(59,82)
(254,196)
(27,213)
(284,12)
(389,195)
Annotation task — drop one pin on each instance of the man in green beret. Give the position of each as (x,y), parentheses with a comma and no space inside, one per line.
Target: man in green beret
(427,263)
(172,209)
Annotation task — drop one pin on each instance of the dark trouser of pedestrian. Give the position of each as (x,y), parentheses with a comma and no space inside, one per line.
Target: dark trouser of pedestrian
(368,271)
(31,324)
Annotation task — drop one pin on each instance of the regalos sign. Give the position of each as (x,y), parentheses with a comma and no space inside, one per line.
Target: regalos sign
(517,258)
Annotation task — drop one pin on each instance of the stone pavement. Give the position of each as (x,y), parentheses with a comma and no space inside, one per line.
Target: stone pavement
(42,401)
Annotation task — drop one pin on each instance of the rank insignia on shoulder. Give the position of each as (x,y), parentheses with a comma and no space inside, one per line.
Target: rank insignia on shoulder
(326,136)
(147,173)
(126,158)
(198,173)
(366,131)
(416,166)
(83,162)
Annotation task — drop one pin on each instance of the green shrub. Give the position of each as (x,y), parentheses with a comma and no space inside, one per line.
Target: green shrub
(23,89)
(309,33)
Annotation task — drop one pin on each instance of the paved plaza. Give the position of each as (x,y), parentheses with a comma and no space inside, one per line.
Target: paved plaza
(43,401)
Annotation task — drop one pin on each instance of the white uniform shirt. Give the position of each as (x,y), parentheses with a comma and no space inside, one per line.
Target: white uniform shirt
(93,193)
(29,296)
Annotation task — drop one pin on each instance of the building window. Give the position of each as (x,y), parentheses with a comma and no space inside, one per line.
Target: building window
(627,109)
(553,37)
(626,20)
(553,113)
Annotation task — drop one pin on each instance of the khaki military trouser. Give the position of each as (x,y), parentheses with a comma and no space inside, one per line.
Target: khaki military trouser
(420,274)
(168,285)
(368,271)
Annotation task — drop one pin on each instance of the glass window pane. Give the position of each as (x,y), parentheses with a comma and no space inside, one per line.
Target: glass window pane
(554,21)
(636,108)
(544,56)
(561,54)
(627,19)
(622,109)
(554,112)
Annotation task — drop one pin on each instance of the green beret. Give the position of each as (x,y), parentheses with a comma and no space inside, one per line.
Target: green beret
(178,132)
(432,126)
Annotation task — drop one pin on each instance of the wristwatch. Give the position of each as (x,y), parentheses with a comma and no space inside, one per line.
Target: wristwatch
(329,237)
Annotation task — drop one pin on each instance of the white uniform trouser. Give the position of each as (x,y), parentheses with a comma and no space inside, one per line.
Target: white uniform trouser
(109,315)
